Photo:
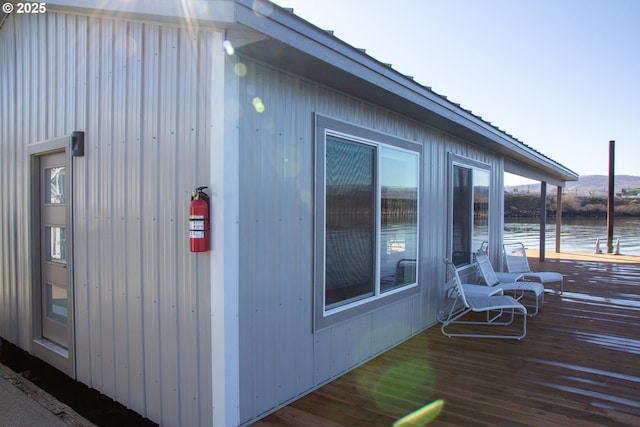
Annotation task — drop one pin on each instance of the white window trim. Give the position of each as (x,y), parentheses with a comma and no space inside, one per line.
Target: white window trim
(328,127)
(465,162)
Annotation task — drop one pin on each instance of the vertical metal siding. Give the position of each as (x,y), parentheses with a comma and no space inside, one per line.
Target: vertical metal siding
(140,92)
(135,359)
(9,176)
(275,229)
(119,172)
(281,356)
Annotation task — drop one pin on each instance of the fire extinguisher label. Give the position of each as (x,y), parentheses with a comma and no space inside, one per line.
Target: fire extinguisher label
(196,223)
(196,234)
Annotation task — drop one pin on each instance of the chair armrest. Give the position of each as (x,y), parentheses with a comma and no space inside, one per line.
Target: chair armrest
(481,290)
(509,277)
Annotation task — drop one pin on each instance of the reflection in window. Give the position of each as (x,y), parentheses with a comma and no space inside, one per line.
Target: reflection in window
(350,204)
(54,185)
(56,303)
(480,208)
(55,244)
(470,212)
(399,218)
(462,202)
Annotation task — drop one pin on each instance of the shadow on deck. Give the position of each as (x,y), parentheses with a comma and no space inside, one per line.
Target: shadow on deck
(578,365)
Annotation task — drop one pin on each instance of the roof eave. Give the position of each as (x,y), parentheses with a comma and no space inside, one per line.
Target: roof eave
(299,47)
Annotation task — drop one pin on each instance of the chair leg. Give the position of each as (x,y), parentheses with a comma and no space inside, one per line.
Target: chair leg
(454,320)
(518,296)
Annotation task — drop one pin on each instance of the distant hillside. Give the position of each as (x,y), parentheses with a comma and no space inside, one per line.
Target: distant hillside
(587,185)
(585,198)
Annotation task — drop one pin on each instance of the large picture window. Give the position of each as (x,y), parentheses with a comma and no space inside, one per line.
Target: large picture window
(367,220)
(470,211)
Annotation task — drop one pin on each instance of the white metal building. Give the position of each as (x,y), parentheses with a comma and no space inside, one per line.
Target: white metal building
(337,187)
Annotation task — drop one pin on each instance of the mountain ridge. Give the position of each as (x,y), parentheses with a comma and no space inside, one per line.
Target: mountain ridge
(586,185)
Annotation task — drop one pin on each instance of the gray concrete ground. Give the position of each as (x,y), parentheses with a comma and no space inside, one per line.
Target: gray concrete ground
(23,404)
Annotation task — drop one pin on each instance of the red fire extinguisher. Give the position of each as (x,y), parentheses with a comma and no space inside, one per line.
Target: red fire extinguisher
(199,221)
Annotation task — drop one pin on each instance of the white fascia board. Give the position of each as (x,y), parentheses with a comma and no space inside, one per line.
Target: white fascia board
(532,173)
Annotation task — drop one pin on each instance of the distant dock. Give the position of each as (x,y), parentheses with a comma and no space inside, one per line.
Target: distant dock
(584,256)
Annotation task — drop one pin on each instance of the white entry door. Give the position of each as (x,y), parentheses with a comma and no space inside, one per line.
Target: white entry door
(53,332)
(54,283)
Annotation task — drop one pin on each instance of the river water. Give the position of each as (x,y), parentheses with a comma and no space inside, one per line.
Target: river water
(577,234)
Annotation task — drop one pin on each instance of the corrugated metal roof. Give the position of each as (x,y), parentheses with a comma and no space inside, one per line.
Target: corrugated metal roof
(444,97)
(303,40)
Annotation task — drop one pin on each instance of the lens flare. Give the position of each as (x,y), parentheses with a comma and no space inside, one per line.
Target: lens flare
(240,69)
(262,8)
(228,47)
(403,382)
(422,416)
(258,105)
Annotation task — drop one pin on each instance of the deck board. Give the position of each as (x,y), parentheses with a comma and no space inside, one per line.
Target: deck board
(578,365)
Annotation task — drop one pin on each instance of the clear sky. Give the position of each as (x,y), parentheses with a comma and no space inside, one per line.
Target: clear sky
(562,76)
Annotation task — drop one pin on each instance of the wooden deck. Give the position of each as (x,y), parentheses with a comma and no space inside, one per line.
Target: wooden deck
(578,365)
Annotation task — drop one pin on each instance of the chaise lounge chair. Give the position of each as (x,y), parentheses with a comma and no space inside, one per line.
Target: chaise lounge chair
(488,275)
(505,306)
(515,258)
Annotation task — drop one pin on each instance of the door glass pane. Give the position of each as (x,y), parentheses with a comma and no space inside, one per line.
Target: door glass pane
(54,185)
(350,222)
(55,244)
(398,219)
(480,207)
(462,214)
(56,303)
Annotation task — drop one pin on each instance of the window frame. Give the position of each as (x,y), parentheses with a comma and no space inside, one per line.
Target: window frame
(329,127)
(473,165)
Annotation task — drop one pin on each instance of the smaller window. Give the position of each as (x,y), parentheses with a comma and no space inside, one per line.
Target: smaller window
(469,211)
(55,241)
(56,303)
(54,185)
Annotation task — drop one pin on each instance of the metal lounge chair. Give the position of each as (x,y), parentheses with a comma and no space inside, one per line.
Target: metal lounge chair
(505,306)
(488,275)
(502,276)
(515,258)
(470,289)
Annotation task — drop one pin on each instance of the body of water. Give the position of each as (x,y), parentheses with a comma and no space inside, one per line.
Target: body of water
(577,234)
